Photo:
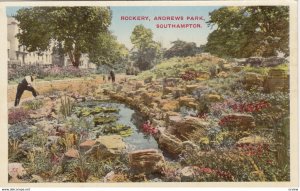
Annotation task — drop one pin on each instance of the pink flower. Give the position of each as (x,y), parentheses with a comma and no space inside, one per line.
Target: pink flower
(149,129)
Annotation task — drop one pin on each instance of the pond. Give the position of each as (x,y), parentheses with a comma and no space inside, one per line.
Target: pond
(125,116)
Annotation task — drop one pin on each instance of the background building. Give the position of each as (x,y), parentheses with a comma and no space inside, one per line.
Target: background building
(18,56)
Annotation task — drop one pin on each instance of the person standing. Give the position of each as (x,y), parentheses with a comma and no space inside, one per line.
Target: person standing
(25,84)
(112,75)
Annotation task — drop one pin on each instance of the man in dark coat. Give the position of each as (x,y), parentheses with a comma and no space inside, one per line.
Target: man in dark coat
(25,84)
(112,75)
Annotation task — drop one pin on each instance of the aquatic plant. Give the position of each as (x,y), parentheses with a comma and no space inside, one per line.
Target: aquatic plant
(86,111)
(120,129)
(104,119)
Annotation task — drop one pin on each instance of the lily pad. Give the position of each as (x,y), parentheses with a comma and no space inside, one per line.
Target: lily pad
(119,129)
(104,119)
(126,133)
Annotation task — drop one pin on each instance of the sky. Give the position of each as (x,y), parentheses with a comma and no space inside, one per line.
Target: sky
(122,29)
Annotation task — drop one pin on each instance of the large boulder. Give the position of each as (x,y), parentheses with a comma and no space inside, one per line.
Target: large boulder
(252,140)
(237,69)
(72,153)
(170,143)
(175,91)
(202,75)
(212,98)
(170,105)
(237,121)
(16,170)
(189,173)
(190,88)
(188,102)
(87,145)
(107,146)
(182,127)
(277,80)
(253,79)
(171,82)
(273,61)
(146,161)
(139,84)
(115,177)
(222,74)
(254,61)
(148,98)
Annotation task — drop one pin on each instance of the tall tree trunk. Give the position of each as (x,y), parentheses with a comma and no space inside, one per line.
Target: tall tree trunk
(77,56)
(74,58)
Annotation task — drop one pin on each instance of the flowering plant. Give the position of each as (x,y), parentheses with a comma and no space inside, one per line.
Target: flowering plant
(148,128)
(17,115)
(189,75)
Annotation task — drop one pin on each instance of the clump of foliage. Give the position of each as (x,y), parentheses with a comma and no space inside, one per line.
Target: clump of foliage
(131,70)
(17,115)
(66,106)
(33,104)
(13,149)
(174,66)
(54,72)
(182,49)
(243,32)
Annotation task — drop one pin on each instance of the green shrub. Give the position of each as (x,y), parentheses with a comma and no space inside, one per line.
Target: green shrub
(33,104)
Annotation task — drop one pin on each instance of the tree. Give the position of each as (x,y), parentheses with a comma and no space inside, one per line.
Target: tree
(249,31)
(75,28)
(106,50)
(181,49)
(146,52)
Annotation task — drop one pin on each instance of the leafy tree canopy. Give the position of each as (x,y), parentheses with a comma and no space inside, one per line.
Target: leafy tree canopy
(72,27)
(249,31)
(146,52)
(106,50)
(181,49)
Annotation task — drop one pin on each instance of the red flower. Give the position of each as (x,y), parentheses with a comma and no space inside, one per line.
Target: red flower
(206,170)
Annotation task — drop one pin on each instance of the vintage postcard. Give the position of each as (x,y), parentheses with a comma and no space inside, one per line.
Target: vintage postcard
(159,93)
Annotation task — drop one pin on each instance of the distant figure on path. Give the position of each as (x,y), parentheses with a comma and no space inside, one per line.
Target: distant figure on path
(25,84)
(112,75)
